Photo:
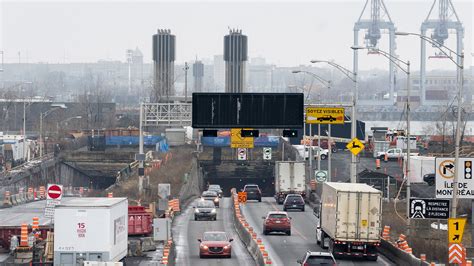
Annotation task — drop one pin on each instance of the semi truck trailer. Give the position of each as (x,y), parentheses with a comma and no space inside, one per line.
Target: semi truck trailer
(349,218)
(290,178)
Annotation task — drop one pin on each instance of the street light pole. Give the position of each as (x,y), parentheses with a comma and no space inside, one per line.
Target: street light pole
(352,76)
(310,151)
(186,67)
(460,65)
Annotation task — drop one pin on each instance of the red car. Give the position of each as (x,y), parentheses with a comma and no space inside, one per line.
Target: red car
(277,221)
(215,244)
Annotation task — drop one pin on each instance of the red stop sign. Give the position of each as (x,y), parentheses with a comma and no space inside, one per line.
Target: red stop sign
(54,191)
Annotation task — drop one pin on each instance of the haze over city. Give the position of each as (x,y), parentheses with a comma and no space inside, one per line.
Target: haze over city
(286,33)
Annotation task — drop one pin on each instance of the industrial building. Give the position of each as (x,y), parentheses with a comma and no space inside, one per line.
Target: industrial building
(235,57)
(164,54)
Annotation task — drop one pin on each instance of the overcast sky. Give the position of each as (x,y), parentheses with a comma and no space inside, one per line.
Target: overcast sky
(286,33)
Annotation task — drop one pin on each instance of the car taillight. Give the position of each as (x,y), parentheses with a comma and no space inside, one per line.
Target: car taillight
(306,264)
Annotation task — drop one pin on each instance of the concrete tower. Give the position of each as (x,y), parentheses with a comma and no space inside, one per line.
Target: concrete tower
(235,55)
(198,74)
(164,51)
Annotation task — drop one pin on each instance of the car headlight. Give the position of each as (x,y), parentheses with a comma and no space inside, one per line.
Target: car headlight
(227,247)
(216,200)
(205,247)
(213,211)
(197,210)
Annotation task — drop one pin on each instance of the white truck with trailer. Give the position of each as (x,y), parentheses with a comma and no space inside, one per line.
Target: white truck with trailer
(290,178)
(90,229)
(349,220)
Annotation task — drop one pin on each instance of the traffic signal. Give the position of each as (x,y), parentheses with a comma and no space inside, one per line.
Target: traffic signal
(209,133)
(248,133)
(290,133)
(467,169)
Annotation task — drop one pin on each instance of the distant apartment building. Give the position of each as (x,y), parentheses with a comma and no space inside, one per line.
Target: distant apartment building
(219,73)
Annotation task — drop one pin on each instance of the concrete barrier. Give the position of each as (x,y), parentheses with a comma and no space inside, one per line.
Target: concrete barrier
(399,256)
(14,200)
(246,237)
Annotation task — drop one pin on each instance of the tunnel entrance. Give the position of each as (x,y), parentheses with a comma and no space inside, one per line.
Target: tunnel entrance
(235,174)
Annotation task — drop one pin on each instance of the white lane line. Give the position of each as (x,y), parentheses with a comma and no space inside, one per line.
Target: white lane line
(271,252)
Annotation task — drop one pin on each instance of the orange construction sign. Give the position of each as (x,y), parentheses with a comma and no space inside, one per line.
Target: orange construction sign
(457,253)
(242,196)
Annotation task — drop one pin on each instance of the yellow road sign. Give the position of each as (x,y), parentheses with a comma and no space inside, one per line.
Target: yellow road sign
(456,229)
(324,115)
(355,146)
(242,196)
(237,141)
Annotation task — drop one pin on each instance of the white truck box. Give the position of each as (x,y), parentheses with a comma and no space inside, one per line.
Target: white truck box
(90,229)
(351,212)
(419,166)
(290,176)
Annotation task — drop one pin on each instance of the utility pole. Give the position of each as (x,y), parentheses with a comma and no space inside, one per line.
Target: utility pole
(186,67)
(408,149)
(457,167)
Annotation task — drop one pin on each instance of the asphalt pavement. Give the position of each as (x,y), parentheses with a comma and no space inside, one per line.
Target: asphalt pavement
(286,250)
(186,231)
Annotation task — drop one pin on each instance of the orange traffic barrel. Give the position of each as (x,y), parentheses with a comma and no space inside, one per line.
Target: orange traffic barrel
(385,158)
(24,235)
(377,163)
(386,232)
(423,257)
(110,195)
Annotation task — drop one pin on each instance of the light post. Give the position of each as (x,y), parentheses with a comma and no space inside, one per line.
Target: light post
(43,116)
(65,121)
(397,62)
(186,68)
(459,62)
(326,83)
(352,76)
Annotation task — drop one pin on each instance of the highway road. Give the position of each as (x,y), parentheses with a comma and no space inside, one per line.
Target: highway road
(186,231)
(286,250)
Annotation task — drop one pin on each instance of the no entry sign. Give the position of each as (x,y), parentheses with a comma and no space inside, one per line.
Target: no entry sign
(54,191)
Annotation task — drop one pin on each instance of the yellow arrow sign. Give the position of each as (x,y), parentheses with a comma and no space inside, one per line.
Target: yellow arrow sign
(355,146)
(237,141)
(456,229)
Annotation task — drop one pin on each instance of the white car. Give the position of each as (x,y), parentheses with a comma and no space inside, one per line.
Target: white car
(304,152)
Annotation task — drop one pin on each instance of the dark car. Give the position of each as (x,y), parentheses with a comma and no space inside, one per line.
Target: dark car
(317,259)
(429,179)
(215,244)
(216,188)
(212,196)
(293,201)
(205,209)
(277,221)
(253,192)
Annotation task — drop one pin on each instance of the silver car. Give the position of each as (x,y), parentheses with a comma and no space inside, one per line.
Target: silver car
(205,209)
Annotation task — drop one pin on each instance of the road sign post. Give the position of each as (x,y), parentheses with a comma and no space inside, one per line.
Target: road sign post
(321,176)
(54,194)
(242,197)
(456,229)
(267,153)
(444,168)
(237,141)
(242,154)
(429,209)
(324,115)
(355,146)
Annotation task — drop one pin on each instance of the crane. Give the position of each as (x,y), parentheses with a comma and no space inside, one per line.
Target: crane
(379,20)
(447,19)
